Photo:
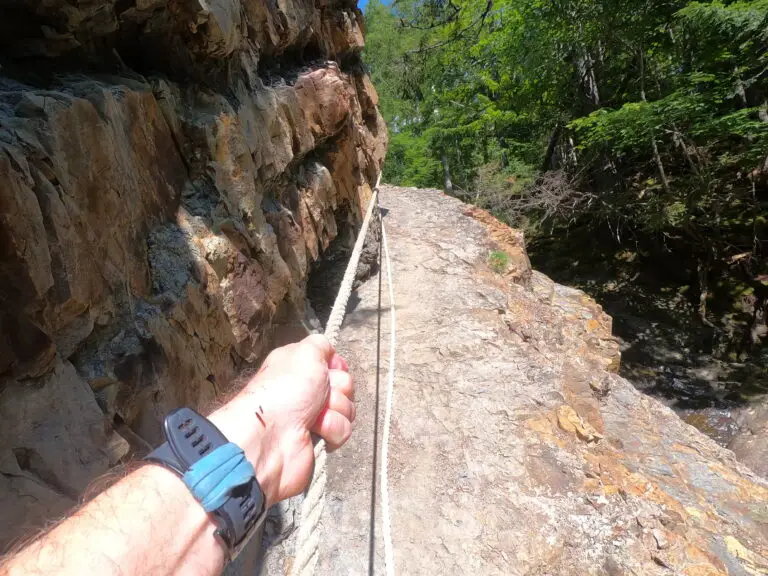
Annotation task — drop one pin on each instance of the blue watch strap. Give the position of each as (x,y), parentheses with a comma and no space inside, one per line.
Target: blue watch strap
(216,472)
(213,478)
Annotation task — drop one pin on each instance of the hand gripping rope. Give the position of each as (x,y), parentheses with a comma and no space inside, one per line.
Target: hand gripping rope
(308,538)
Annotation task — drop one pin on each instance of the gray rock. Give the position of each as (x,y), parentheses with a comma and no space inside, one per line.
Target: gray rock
(55,442)
(515,448)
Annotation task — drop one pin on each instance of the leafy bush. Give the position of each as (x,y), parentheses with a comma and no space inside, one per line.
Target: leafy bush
(498,260)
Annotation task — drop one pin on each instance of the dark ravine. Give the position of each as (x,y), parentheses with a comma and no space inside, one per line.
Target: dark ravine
(699,370)
(169,171)
(326,273)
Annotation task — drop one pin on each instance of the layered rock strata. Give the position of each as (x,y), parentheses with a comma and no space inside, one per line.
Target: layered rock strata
(169,173)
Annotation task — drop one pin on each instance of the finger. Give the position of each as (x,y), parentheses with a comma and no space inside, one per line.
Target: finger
(333,427)
(338,363)
(342,381)
(340,403)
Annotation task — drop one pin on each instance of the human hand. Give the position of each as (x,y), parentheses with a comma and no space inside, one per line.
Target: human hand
(300,389)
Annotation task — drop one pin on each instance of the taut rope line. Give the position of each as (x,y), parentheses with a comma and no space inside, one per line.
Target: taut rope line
(308,538)
(386,520)
(376,411)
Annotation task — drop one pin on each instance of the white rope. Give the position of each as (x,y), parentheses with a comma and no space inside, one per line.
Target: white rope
(389,554)
(308,538)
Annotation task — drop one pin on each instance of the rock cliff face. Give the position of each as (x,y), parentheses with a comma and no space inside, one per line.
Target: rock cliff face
(169,172)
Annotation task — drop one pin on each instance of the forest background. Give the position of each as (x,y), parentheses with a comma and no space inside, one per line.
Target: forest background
(628,138)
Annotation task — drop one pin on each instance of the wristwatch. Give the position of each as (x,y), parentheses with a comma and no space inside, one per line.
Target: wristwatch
(240,508)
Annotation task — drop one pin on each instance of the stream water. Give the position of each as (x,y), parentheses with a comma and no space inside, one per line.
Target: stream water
(706,392)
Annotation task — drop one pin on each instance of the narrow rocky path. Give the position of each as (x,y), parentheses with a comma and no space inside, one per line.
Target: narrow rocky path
(515,449)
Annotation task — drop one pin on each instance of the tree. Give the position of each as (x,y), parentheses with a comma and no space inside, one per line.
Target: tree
(651,114)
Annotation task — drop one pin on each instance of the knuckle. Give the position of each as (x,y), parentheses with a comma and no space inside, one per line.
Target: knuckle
(278,355)
(318,342)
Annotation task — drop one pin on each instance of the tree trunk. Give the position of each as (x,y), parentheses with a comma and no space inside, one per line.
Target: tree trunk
(740,90)
(448,185)
(654,145)
(762,114)
(755,329)
(571,157)
(553,140)
(659,164)
(586,66)
(680,141)
(702,271)
(504,155)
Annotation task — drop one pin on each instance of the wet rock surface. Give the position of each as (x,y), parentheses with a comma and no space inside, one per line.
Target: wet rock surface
(168,175)
(516,448)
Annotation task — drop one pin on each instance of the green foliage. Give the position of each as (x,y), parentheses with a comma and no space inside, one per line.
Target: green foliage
(645,118)
(498,260)
(409,162)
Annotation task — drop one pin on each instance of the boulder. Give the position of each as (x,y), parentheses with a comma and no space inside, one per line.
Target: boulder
(751,443)
(56,440)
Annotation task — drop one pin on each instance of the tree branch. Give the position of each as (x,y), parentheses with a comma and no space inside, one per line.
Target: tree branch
(480,20)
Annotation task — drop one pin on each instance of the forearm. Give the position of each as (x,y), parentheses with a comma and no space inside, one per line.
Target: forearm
(149,522)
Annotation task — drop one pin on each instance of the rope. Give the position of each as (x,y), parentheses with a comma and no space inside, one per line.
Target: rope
(376,414)
(389,554)
(333,325)
(308,538)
